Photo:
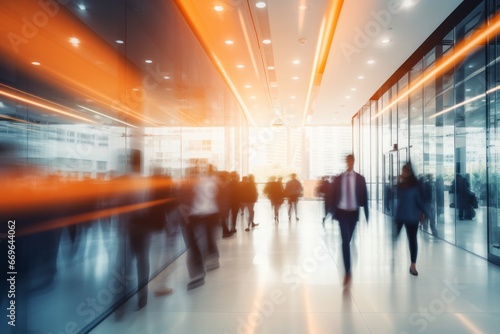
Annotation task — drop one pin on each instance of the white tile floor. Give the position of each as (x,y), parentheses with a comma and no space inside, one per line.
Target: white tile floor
(288,279)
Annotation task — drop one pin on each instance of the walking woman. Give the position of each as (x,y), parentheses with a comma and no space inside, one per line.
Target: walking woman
(409,206)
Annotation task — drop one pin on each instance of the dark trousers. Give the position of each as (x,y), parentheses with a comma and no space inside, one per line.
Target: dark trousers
(140,244)
(292,205)
(251,212)
(200,229)
(411,233)
(347,222)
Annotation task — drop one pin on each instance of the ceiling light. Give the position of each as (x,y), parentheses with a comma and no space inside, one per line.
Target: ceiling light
(295,78)
(119,41)
(35,63)
(260,4)
(75,41)
(371,61)
(408,3)
(253,97)
(303,7)
(296,61)
(293,97)
(240,66)
(347,97)
(218,8)
(149,61)
(385,40)
(166,77)
(271,68)
(274,85)
(229,42)
(82,7)
(248,86)
(361,77)
(266,41)
(353,89)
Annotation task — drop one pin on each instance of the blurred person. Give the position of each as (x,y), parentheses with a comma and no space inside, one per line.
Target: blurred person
(428,198)
(275,192)
(410,206)
(249,196)
(202,214)
(349,193)
(223,202)
(323,190)
(234,199)
(142,223)
(293,190)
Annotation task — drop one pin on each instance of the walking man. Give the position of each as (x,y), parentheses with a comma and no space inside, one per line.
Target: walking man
(349,194)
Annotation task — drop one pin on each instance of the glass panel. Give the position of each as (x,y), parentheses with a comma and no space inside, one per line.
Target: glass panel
(470,144)
(494,153)
(403,113)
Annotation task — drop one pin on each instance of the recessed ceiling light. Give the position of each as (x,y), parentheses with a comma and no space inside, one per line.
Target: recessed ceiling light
(135,89)
(408,3)
(149,61)
(248,86)
(75,41)
(253,97)
(295,78)
(36,63)
(353,89)
(266,41)
(347,97)
(296,61)
(166,77)
(82,7)
(260,4)
(219,8)
(371,61)
(229,42)
(240,66)
(119,41)
(385,40)
(360,77)
(303,7)
(271,68)
(293,97)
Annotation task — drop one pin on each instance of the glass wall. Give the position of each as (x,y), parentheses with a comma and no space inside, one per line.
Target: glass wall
(447,127)
(80,89)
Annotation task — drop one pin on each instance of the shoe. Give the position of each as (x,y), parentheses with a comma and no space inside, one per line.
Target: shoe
(247,229)
(143,300)
(297,218)
(254,225)
(227,235)
(414,273)
(212,263)
(196,282)
(347,279)
(163,291)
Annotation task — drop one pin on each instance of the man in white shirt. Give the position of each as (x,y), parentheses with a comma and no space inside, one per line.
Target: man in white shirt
(349,193)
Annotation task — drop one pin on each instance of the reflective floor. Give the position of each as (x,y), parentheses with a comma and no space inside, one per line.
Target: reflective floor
(288,279)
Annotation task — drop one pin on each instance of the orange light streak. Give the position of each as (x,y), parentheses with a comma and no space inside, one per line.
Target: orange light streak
(461,51)
(26,100)
(327,30)
(86,217)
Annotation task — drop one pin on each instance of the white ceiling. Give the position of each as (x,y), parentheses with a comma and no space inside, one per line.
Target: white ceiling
(295,34)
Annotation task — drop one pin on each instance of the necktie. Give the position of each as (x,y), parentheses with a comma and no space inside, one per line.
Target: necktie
(348,191)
